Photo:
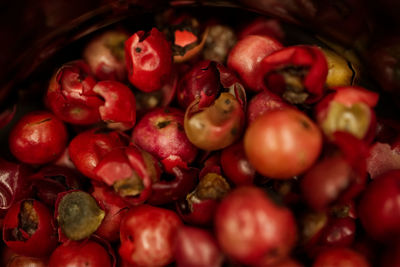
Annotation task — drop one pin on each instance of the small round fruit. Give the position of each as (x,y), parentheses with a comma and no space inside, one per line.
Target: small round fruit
(38,138)
(282,143)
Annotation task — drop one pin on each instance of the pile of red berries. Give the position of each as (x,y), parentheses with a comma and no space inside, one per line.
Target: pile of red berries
(201,144)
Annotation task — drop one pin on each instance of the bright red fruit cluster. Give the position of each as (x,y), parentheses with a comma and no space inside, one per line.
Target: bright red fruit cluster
(202,145)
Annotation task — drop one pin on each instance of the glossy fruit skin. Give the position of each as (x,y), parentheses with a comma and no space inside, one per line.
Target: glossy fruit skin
(148,60)
(70,94)
(160,132)
(240,226)
(246,55)
(89,147)
(263,102)
(147,235)
(379,209)
(263,26)
(41,241)
(105,55)
(39,137)
(236,166)
(23,261)
(14,184)
(119,109)
(114,207)
(80,254)
(195,247)
(302,58)
(282,143)
(335,257)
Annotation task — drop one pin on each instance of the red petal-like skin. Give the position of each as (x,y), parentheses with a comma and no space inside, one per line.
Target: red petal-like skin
(80,254)
(196,247)
(38,137)
(160,132)
(88,148)
(201,213)
(252,229)
(379,208)
(148,60)
(70,96)
(119,106)
(147,236)
(42,242)
(246,56)
(14,184)
(310,57)
(115,208)
(340,257)
(201,81)
(121,163)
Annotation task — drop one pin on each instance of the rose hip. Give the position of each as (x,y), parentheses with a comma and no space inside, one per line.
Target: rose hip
(28,229)
(148,60)
(252,229)
(147,236)
(38,138)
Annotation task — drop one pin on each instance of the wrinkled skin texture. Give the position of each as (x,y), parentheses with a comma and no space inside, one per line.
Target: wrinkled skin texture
(80,254)
(147,235)
(38,138)
(252,229)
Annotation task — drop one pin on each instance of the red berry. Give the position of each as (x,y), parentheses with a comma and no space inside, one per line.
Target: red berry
(38,138)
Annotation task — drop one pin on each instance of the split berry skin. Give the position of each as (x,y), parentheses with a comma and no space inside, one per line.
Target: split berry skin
(39,137)
(148,60)
(297,73)
(70,94)
(29,230)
